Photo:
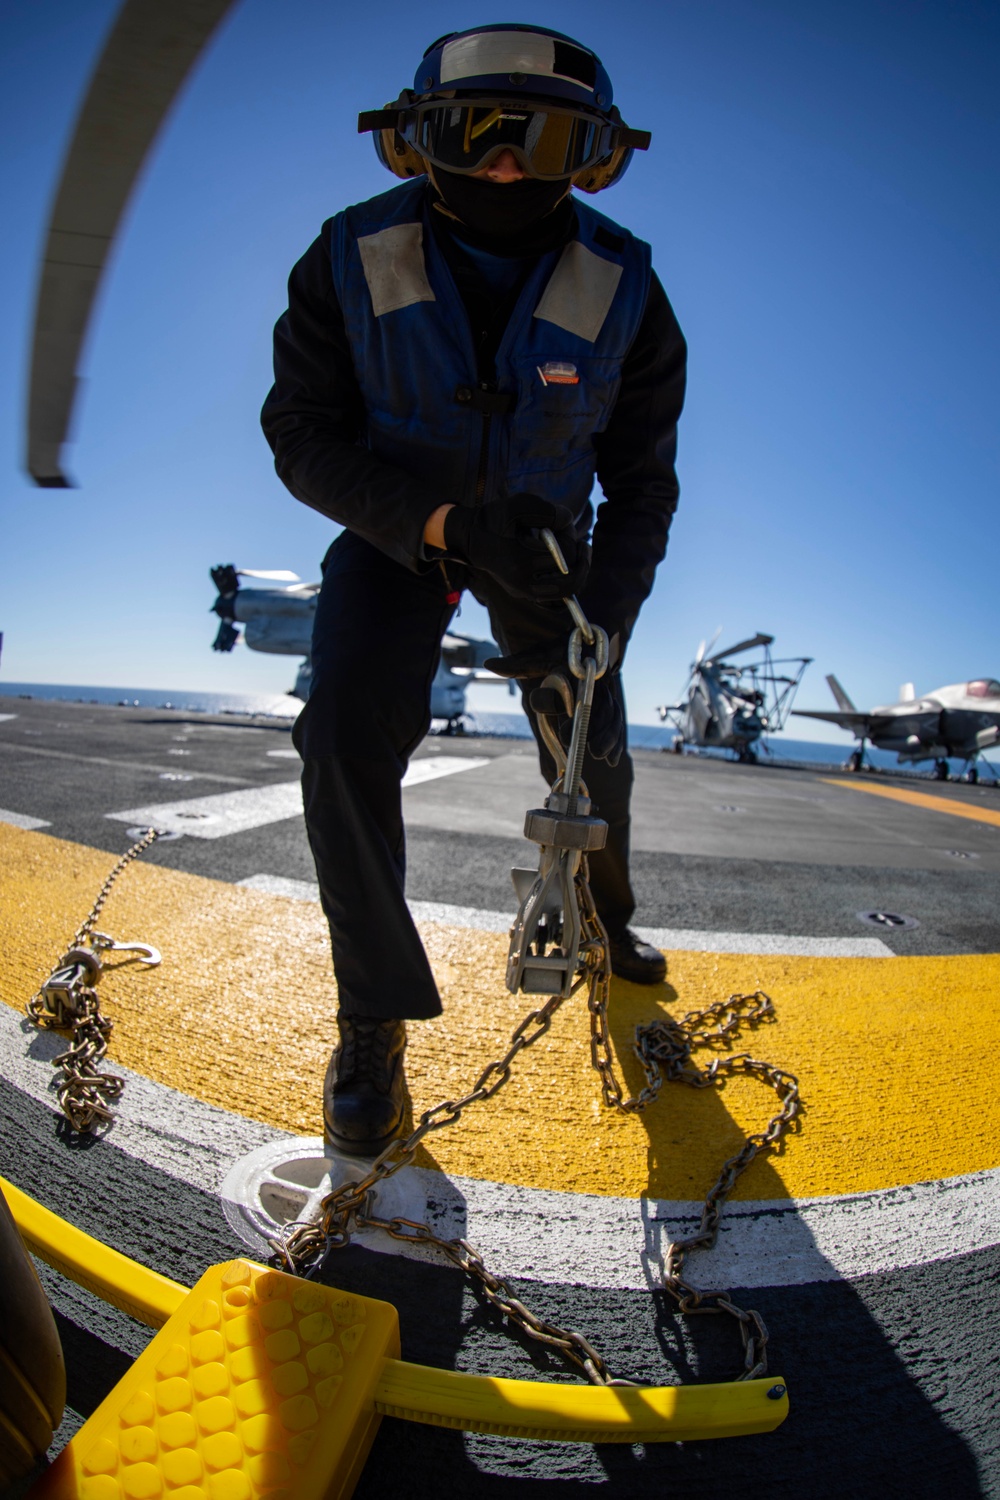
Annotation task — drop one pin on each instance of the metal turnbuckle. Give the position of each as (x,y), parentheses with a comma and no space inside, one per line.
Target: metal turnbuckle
(67,989)
(544,957)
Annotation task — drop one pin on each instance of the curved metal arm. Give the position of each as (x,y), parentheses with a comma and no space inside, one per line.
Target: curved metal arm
(556,681)
(571,602)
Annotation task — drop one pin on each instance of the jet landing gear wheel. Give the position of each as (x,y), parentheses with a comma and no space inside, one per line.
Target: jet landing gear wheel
(972,776)
(678,746)
(747,755)
(855,761)
(940,770)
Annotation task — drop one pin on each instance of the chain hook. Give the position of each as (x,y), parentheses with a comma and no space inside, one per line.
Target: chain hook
(148,955)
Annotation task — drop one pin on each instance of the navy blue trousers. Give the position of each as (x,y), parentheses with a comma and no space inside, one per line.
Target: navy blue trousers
(376,646)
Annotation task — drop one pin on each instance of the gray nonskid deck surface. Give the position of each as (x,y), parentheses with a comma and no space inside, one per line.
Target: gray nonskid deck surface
(716,847)
(863,1422)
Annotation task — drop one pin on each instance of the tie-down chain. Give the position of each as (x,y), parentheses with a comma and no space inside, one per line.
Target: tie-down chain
(558,945)
(68,1001)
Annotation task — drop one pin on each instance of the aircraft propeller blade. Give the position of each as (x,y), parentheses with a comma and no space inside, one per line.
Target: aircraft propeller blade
(147,57)
(276,575)
(705,646)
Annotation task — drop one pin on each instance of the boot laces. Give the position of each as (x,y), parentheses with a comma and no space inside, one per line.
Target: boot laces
(364,1051)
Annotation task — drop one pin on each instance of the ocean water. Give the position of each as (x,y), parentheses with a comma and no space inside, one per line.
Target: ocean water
(778,749)
(269,705)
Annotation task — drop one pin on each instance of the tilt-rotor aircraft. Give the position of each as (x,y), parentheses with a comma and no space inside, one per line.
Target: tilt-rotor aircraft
(960,721)
(729,707)
(280,621)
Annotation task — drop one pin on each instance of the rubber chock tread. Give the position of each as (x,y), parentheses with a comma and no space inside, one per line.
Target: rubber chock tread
(259,1387)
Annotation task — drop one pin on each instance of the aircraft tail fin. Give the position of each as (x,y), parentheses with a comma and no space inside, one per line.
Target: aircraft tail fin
(843,702)
(907,693)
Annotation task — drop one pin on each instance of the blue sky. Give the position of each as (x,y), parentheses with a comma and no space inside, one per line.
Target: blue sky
(821,201)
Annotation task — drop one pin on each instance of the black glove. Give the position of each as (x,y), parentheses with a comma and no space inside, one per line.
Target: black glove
(502,539)
(606,737)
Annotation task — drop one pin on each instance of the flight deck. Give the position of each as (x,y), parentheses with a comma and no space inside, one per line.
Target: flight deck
(864,905)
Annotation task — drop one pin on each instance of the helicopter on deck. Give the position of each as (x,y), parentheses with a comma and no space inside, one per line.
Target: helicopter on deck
(961,720)
(280,621)
(729,707)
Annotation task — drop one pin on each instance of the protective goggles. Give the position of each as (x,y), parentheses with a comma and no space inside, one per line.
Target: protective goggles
(465,135)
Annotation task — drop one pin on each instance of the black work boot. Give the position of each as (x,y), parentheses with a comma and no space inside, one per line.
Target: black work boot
(634,960)
(363,1090)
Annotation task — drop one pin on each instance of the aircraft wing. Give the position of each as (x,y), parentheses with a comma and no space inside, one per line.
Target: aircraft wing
(148,55)
(858,723)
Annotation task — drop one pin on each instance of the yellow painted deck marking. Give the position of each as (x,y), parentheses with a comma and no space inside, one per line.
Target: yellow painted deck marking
(922,799)
(241,1014)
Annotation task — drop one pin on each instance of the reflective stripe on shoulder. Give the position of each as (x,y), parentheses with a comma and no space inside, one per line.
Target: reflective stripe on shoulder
(393,262)
(580,292)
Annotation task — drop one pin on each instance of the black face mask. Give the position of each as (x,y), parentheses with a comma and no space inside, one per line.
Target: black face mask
(526,217)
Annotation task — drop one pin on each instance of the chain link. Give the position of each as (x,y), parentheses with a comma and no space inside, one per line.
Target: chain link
(302,1247)
(86,928)
(664,1048)
(497,1291)
(68,1001)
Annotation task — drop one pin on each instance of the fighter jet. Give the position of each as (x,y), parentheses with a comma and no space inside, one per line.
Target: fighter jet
(960,721)
(729,707)
(280,620)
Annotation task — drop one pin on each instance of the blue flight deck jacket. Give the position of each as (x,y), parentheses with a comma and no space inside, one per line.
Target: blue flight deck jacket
(558,366)
(377,415)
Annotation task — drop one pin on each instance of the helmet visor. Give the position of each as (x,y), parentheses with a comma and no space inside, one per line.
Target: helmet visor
(466,136)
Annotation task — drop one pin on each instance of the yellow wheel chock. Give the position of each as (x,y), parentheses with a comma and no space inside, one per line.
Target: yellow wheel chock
(261,1386)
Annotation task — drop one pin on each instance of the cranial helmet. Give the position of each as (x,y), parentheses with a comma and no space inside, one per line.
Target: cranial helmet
(525,89)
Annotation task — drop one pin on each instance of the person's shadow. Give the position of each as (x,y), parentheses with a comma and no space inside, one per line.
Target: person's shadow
(859,1425)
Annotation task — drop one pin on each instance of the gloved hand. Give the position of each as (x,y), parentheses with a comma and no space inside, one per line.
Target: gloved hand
(606,737)
(502,539)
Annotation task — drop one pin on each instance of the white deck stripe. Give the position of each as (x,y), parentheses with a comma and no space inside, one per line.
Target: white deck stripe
(225,813)
(4,717)
(430,767)
(21,820)
(620,1242)
(280,885)
(777,943)
(573,1238)
(162,1127)
(218,816)
(666,938)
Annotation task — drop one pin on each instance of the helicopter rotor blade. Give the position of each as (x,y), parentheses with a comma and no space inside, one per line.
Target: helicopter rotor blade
(760,639)
(146,60)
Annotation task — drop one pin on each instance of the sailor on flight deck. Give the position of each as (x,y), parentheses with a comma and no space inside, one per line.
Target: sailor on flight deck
(461,356)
